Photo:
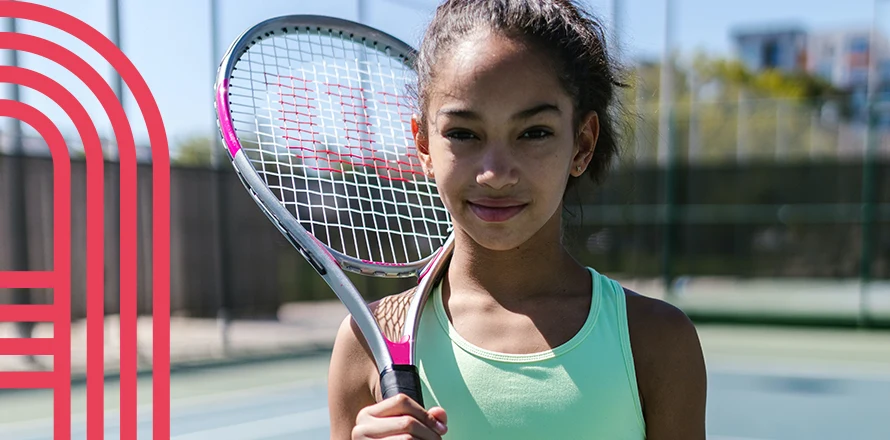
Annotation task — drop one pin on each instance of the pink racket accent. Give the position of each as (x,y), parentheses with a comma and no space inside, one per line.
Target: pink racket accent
(225,123)
(400,351)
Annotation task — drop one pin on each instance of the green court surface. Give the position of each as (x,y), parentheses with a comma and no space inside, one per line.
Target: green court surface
(764,384)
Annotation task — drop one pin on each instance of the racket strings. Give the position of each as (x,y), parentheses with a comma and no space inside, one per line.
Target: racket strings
(326,123)
(392,312)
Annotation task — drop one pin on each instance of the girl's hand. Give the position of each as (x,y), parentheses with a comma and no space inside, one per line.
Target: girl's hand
(399,417)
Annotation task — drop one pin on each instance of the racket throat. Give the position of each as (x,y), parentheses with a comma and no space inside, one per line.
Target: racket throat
(400,351)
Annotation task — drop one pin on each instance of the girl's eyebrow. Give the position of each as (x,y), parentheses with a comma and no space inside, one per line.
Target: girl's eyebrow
(524,114)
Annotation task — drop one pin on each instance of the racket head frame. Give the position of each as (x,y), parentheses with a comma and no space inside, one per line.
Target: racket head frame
(329,263)
(390,45)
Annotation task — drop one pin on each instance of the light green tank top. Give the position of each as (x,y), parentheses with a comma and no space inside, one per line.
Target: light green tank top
(583,389)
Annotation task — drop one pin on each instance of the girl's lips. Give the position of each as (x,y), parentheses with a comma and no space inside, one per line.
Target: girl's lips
(496,211)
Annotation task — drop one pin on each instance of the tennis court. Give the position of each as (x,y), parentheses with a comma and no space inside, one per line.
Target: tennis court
(765,383)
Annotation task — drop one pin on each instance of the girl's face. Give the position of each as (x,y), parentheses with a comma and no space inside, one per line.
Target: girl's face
(500,140)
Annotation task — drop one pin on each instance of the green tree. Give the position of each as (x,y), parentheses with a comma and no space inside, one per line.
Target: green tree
(735,111)
(194,151)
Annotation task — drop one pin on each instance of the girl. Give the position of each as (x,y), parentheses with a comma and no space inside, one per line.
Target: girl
(519,340)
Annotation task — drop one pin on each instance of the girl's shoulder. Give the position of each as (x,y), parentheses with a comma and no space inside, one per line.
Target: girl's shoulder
(668,361)
(660,332)
(651,316)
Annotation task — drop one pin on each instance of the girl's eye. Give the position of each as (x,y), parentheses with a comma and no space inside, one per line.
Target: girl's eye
(459,135)
(537,133)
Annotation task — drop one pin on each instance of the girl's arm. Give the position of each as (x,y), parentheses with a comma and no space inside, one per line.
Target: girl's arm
(349,380)
(670,367)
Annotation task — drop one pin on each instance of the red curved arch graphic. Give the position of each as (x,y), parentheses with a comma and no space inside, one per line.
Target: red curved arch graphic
(95,221)
(59,279)
(95,274)
(161,221)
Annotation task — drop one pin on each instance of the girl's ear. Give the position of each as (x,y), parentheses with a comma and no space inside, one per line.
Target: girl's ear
(421,142)
(588,134)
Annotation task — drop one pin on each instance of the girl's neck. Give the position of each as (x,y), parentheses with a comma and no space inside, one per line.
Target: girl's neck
(541,267)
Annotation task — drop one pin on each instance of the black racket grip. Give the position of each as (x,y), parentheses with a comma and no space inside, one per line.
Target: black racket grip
(402,379)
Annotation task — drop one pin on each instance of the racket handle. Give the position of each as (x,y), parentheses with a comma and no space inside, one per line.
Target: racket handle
(396,379)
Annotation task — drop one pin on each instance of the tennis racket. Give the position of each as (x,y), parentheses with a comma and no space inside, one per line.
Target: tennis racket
(315,116)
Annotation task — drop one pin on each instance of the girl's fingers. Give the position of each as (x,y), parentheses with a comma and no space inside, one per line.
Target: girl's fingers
(387,427)
(401,414)
(441,419)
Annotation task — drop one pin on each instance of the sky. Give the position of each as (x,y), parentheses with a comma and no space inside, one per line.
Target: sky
(169,41)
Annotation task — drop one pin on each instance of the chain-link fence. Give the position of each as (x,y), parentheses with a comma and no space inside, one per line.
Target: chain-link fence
(753,129)
(805,217)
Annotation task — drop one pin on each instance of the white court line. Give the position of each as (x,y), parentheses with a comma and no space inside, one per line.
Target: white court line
(799,368)
(264,428)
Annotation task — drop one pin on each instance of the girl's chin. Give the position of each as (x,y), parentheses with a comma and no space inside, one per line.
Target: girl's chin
(504,239)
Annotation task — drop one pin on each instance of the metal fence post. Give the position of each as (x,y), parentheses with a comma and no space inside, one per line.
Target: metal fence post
(220,197)
(781,151)
(670,207)
(869,184)
(868,175)
(743,115)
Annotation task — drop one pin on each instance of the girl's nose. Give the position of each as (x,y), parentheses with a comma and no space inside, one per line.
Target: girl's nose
(498,168)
